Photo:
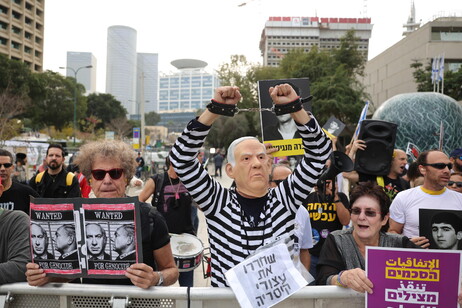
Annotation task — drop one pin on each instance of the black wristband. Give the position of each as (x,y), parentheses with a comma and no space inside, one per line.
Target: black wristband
(222,109)
(291,107)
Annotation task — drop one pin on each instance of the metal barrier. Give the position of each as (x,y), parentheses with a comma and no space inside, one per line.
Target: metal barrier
(21,295)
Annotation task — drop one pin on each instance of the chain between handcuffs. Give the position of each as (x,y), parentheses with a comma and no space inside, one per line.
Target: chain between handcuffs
(255,109)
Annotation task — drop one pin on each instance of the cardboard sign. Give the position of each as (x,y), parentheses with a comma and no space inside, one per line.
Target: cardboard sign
(265,278)
(413,278)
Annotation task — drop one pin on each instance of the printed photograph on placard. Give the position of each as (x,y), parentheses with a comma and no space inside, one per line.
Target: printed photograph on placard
(112,238)
(443,228)
(80,237)
(333,126)
(281,130)
(53,237)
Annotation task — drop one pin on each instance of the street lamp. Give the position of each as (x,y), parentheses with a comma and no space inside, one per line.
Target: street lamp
(75,71)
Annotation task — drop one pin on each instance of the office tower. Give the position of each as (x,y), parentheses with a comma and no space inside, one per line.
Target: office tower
(87,76)
(390,73)
(282,34)
(121,66)
(147,81)
(190,88)
(22,31)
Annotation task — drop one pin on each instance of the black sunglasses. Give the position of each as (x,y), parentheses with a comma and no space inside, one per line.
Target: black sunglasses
(100,174)
(368,213)
(440,166)
(458,184)
(6,165)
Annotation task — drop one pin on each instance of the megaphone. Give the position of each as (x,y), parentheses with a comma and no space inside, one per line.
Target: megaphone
(340,162)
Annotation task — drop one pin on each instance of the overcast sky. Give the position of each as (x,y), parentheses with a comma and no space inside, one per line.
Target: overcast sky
(210,30)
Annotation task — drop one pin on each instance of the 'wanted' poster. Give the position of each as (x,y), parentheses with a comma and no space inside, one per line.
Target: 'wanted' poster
(97,238)
(281,131)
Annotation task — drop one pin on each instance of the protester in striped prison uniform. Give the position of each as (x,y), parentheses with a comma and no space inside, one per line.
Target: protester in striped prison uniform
(243,218)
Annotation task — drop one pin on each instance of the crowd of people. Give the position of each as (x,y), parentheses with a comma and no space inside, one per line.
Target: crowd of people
(326,227)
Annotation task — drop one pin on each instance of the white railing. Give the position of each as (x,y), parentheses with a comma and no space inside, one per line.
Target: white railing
(86,295)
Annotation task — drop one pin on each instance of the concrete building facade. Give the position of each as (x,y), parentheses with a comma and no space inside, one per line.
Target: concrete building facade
(190,88)
(121,66)
(22,26)
(282,34)
(390,73)
(147,81)
(87,76)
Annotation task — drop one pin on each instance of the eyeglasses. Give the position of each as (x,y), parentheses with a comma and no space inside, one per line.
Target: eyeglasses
(368,213)
(6,165)
(458,184)
(440,166)
(100,174)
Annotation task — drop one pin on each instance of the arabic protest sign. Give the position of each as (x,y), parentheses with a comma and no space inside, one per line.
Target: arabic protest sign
(281,131)
(266,278)
(413,278)
(80,237)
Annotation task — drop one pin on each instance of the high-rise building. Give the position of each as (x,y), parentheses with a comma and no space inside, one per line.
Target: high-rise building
(147,81)
(190,88)
(282,34)
(121,66)
(390,73)
(22,31)
(87,76)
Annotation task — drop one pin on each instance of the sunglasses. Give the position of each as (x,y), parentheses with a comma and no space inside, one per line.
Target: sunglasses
(6,165)
(368,213)
(440,166)
(458,184)
(100,174)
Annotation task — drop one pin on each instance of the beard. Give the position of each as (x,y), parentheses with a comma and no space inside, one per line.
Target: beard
(53,165)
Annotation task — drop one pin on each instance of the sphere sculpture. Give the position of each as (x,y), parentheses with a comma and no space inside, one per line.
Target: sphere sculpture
(419,117)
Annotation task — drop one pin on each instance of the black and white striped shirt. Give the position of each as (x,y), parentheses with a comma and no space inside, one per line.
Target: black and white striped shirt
(231,237)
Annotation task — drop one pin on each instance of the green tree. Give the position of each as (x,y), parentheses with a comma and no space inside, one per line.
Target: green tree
(14,76)
(104,107)
(53,100)
(241,73)
(452,80)
(151,118)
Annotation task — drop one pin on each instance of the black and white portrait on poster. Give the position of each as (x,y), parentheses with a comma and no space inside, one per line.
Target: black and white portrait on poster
(112,236)
(334,126)
(283,126)
(443,228)
(54,237)
(281,131)
(78,237)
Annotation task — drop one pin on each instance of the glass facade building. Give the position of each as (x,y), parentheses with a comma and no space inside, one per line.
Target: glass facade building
(188,89)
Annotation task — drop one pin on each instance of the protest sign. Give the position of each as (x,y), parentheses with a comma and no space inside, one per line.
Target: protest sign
(281,130)
(443,228)
(413,278)
(77,237)
(265,278)
(333,127)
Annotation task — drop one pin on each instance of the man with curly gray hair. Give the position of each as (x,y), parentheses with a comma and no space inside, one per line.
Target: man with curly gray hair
(109,166)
